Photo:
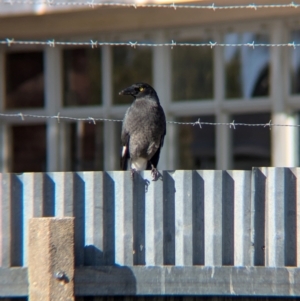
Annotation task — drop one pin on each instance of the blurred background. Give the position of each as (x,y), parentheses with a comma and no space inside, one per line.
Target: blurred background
(217,85)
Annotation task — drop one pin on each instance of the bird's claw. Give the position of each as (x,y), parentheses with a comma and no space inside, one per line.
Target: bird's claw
(132,172)
(155,174)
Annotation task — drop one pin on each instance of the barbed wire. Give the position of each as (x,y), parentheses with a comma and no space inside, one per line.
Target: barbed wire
(94,120)
(174,6)
(95,44)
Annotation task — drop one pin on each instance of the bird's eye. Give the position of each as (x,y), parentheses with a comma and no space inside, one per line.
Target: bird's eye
(142,89)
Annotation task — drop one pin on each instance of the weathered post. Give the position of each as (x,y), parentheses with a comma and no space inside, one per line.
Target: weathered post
(51,259)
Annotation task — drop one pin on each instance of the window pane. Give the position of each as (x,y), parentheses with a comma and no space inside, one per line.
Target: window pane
(192,73)
(130,66)
(82,77)
(246,69)
(251,145)
(24,78)
(295,64)
(29,148)
(87,146)
(196,147)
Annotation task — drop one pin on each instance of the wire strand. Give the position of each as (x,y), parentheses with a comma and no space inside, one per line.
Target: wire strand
(93,120)
(173,5)
(94,44)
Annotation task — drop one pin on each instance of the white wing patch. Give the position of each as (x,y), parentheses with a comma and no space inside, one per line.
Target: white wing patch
(139,164)
(124,150)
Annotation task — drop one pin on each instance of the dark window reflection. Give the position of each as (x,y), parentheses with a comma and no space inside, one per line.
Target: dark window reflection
(82,77)
(192,73)
(86,146)
(246,69)
(295,63)
(28,148)
(130,65)
(251,145)
(24,79)
(196,147)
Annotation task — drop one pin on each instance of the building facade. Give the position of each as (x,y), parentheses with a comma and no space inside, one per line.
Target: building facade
(252,85)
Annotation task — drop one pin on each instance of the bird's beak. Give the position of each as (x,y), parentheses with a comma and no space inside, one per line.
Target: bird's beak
(127,91)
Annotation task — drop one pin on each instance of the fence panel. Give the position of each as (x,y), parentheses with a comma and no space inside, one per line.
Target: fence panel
(216,230)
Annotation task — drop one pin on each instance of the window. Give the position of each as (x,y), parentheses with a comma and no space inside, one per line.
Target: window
(192,73)
(251,146)
(295,64)
(24,78)
(82,77)
(196,147)
(130,65)
(246,69)
(28,148)
(86,146)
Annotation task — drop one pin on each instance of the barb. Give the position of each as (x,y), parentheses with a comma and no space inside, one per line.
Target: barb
(59,118)
(251,44)
(212,44)
(92,4)
(253,6)
(51,43)
(133,44)
(22,116)
(232,124)
(95,44)
(292,45)
(213,7)
(269,124)
(9,42)
(92,119)
(173,44)
(198,122)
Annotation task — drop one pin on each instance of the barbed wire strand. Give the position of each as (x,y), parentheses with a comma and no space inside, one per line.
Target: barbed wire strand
(94,44)
(94,120)
(174,6)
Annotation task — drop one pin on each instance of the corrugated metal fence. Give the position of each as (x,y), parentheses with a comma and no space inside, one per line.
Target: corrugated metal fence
(189,233)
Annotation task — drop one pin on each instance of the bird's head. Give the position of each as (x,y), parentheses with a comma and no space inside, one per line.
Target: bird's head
(140,90)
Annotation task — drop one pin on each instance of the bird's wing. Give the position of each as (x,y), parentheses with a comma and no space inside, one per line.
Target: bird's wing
(163,138)
(154,160)
(125,137)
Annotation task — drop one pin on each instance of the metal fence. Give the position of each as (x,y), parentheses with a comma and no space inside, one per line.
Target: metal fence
(189,233)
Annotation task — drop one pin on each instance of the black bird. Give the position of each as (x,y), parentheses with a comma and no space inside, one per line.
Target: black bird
(143,130)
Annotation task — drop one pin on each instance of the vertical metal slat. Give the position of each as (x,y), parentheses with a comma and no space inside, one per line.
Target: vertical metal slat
(242,218)
(94,229)
(123,218)
(183,218)
(296,172)
(274,217)
(154,222)
(5,221)
(64,194)
(213,217)
(33,201)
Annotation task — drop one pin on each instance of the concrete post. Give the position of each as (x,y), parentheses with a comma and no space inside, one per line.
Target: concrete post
(51,259)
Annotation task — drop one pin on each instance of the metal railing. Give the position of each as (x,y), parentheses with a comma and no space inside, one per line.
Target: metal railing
(189,233)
